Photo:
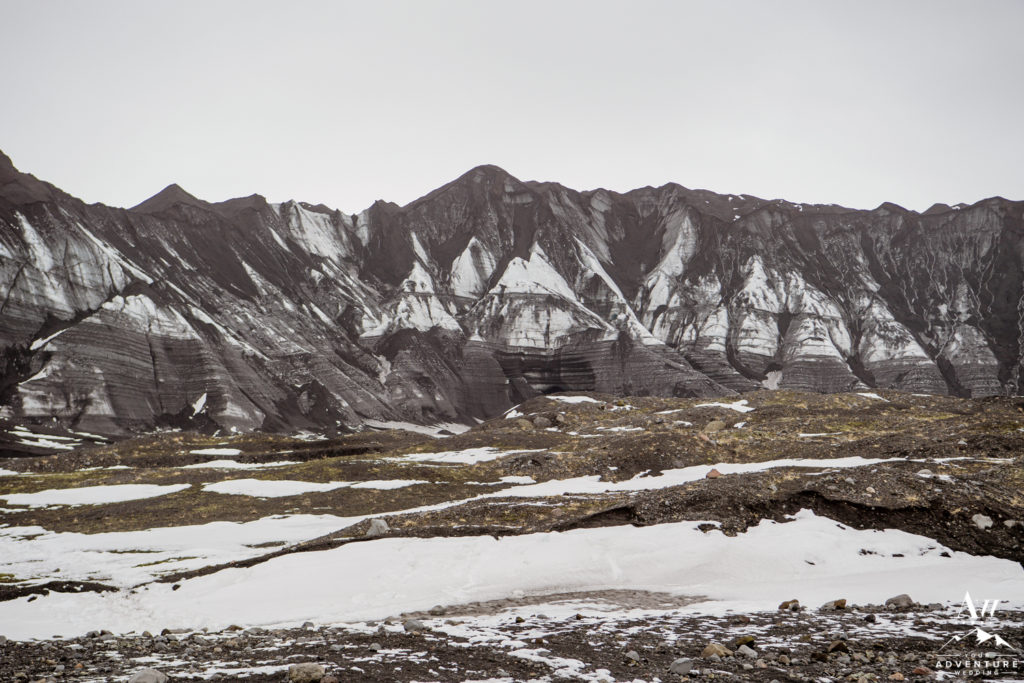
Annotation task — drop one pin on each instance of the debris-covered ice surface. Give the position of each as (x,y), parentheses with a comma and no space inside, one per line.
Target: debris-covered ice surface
(591,539)
(807,558)
(596,637)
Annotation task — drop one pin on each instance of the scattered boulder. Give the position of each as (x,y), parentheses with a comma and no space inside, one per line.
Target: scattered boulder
(715,426)
(524,424)
(633,656)
(834,605)
(713,474)
(743,640)
(838,646)
(149,676)
(982,521)
(681,666)
(746,651)
(541,422)
(715,649)
(306,672)
(790,605)
(412,625)
(901,600)
(378,527)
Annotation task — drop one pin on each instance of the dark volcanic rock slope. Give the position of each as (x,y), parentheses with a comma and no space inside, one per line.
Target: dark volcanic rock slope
(246,314)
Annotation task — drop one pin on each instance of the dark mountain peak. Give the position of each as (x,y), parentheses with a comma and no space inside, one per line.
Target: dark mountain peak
(937,208)
(7,169)
(488,171)
(21,188)
(231,207)
(487,175)
(890,207)
(166,198)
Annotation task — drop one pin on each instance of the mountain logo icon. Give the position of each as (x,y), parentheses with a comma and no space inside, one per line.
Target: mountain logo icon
(981,637)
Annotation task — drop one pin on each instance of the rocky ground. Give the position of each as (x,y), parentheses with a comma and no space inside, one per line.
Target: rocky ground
(943,468)
(600,642)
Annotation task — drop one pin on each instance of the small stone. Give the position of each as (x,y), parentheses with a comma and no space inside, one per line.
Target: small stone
(790,605)
(833,605)
(897,677)
(715,649)
(925,472)
(375,647)
(838,646)
(1010,523)
(377,527)
(901,600)
(783,660)
(746,652)
(329,679)
(524,424)
(713,474)
(743,640)
(982,521)
(633,655)
(308,624)
(307,672)
(715,426)
(412,625)
(871,618)
(870,490)
(520,620)
(541,422)
(148,676)
(437,611)
(922,671)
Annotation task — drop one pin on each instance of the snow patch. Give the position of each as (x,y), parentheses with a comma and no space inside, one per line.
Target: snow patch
(412,574)
(271,488)
(739,406)
(92,495)
(235,465)
(217,451)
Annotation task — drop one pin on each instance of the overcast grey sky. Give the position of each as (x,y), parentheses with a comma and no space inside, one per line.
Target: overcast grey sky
(346,102)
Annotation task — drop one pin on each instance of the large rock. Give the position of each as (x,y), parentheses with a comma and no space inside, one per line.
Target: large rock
(148,676)
(900,601)
(306,672)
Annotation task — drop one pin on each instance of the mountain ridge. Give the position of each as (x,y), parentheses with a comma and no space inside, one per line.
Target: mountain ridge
(483,293)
